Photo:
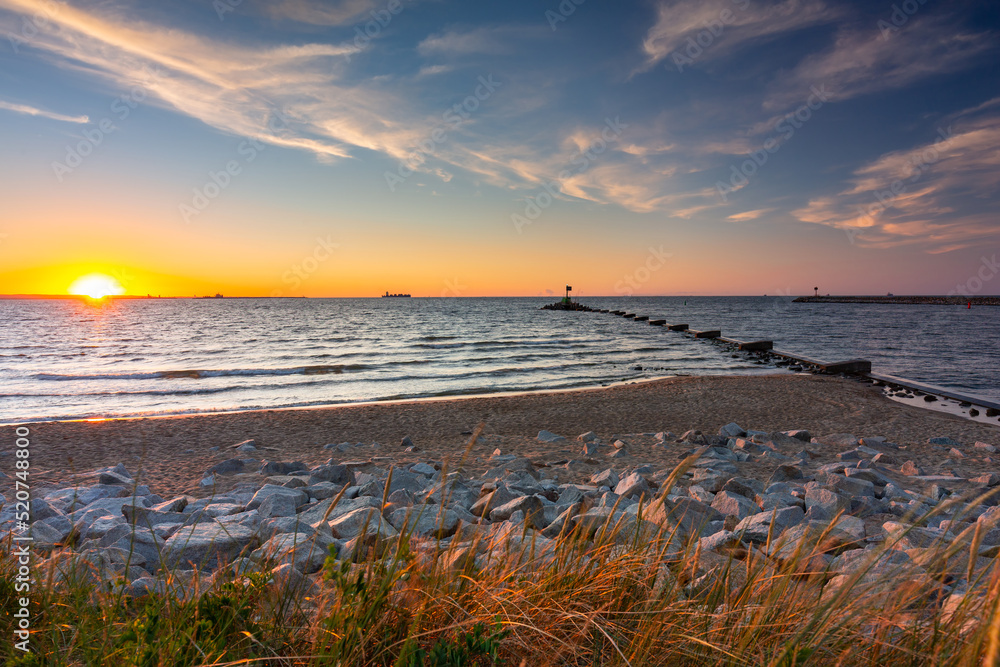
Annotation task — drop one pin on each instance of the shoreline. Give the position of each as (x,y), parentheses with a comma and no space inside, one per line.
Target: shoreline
(170,452)
(922,388)
(392,401)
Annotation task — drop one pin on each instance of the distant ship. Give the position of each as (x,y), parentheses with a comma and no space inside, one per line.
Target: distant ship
(394,296)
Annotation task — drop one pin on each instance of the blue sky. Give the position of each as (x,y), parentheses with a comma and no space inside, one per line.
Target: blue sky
(501,147)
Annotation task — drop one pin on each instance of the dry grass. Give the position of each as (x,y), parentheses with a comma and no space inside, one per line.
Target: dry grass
(622,596)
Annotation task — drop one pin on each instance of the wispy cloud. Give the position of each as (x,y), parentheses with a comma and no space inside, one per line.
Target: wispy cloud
(234,88)
(938,195)
(32,111)
(431,70)
(492,41)
(861,61)
(749,215)
(240,89)
(316,12)
(729,24)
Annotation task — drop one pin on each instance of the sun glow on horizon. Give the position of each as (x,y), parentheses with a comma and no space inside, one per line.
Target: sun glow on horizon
(96,286)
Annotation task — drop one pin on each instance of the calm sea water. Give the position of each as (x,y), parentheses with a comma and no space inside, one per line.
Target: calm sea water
(66,359)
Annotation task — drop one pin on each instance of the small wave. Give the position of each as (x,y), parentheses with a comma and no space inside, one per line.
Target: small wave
(198,374)
(439,346)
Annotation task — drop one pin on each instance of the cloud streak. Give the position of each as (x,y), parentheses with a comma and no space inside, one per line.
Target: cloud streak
(51,115)
(729,24)
(861,62)
(937,195)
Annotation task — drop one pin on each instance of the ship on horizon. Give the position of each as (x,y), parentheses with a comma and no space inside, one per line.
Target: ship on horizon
(394,296)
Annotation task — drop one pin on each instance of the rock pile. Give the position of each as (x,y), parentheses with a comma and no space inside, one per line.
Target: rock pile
(743,494)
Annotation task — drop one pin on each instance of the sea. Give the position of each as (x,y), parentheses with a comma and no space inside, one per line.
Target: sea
(67,359)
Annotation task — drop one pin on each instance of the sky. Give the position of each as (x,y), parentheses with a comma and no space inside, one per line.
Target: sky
(444,148)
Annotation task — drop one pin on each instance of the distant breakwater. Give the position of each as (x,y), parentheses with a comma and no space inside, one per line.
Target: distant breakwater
(920,300)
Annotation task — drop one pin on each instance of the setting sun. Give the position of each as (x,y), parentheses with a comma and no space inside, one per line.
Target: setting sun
(96,286)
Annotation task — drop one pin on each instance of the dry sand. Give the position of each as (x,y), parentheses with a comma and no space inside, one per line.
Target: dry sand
(156,447)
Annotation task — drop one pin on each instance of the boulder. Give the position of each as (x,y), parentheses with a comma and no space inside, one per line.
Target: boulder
(228,467)
(700,494)
(282,467)
(633,485)
(757,527)
(852,486)
(827,501)
(607,477)
(529,505)
(732,430)
(207,544)
(278,505)
(425,521)
(73,498)
(744,486)
(298,496)
(733,504)
(423,469)
(547,436)
(316,512)
(245,446)
(501,496)
(785,473)
(41,510)
(685,516)
(50,533)
(367,520)
(772,501)
(723,542)
(811,537)
(336,474)
(303,551)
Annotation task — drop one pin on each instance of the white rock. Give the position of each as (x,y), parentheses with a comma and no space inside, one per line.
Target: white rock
(303,551)
(204,544)
(733,504)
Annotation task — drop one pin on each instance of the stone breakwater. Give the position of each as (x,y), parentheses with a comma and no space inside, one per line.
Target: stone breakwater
(739,494)
(959,300)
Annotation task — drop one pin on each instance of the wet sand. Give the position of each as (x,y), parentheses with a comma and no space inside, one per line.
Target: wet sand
(170,454)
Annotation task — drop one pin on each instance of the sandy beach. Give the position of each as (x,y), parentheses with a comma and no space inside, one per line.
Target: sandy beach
(170,453)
